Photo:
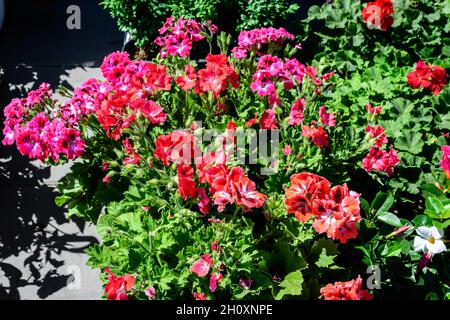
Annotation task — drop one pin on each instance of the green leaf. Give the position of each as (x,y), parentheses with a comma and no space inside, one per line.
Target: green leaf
(434,205)
(422,220)
(389,218)
(382,202)
(133,220)
(292,285)
(324,259)
(432,296)
(410,141)
(134,258)
(441,225)
(61,200)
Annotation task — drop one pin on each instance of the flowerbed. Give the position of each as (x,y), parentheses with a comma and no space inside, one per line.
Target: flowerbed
(255,175)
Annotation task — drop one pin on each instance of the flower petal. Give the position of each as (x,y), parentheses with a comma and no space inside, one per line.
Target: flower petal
(436,233)
(419,244)
(437,247)
(424,232)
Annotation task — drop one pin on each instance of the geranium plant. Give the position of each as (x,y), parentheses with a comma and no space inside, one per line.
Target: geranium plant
(237,176)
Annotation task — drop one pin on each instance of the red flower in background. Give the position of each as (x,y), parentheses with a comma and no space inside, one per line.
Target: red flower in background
(381,160)
(214,280)
(421,76)
(188,81)
(335,210)
(445,162)
(199,296)
(152,111)
(129,149)
(186,183)
(178,146)
(304,190)
(233,186)
(349,290)
(379,135)
(176,38)
(318,135)
(338,214)
(269,120)
(296,114)
(252,121)
(204,202)
(118,287)
(378,14)
(287,150)
(216,76)
(428,76)
(327,119)
(439,78)
(373,110)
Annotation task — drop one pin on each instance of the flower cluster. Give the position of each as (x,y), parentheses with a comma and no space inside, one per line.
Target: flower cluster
(232,186)
(445,161)
(335,210)
(180,184)
(253,40)
(379,159)
(129,84)
(428,76)
(117,101)
(226,185)
(37,134)
(177,37)
(379,14)
(271,70)
(348,290)
(214,78)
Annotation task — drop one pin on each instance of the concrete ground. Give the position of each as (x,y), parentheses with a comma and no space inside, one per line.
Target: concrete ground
(41,251)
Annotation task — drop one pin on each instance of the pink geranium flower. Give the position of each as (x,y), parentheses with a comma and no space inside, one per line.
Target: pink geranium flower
(201,266)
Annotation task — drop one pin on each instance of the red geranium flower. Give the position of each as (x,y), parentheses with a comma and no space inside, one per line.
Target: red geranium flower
(216,76)
(269,120)
(186,183)
(118,287)
(153,112)
(296,114)
(319,135)
(204,202)
(327,119)
(379,135)
(199,296)
(381,160)
(378,14)
(349,290)
(428,76)
(304,190)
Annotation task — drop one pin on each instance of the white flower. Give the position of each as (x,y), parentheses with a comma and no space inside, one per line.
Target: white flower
(429,240)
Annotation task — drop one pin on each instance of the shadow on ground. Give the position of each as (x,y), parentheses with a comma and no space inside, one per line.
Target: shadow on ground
(35,235)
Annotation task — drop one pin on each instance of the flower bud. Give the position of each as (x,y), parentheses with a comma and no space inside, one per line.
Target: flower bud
(424,260)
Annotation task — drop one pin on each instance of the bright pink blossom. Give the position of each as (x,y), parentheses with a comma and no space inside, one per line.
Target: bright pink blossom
(214,279)
(201,266)
(327,119)
(445,161)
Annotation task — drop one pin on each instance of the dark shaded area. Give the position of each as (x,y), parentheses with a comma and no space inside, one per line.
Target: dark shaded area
(36,46)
